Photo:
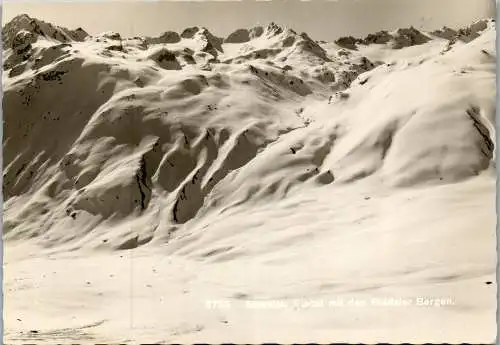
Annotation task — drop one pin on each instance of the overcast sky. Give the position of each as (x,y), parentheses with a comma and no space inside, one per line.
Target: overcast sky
(321,19)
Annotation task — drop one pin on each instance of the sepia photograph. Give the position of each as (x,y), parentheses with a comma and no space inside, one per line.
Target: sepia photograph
(252,171)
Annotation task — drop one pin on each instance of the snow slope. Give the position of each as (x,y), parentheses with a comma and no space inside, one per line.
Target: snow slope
(168,173)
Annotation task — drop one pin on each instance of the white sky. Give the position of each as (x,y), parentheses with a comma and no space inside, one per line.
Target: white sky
(321,19)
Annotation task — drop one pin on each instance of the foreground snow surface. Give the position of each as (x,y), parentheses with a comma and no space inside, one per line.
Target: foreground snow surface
(260,188)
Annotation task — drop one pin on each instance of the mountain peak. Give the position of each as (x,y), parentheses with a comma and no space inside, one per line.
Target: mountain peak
(273,29)
(36,28)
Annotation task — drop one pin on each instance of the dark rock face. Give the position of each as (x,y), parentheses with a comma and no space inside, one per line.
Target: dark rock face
(190,32)
(466,34)
(165,38)
(238,36)
(405,37)
(36,28)
(22,41)
(166,59)
(256,32)
(445,33)
(409,37)
(170,37)
(348,42)
(380,37)
(113,36)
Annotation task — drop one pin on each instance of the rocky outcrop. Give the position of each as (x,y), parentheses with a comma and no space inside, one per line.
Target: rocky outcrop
(37,28)
(381,37)
(165,58)
(409,37)
(238,36)
(165,38)
(348,42)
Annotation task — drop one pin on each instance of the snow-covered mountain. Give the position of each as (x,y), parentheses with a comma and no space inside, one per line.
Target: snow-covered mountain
(356,166)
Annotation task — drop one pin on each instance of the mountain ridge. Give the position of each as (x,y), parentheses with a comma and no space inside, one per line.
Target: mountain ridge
(189,125)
